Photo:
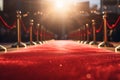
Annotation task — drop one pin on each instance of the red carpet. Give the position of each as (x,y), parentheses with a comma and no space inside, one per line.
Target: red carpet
(60,60)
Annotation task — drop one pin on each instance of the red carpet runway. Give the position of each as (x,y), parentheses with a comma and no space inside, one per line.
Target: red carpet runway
(60,60)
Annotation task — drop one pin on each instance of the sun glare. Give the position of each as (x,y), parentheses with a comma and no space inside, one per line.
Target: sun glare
(60,7)
(59,4)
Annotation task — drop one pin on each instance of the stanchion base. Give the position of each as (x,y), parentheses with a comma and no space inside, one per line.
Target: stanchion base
(81,42)
(93,43)
(86,42)
(31,43)
(105,44)
(2,48)
(44,42)
(17,45)
(41,42)
(38,42)
(117,49)
(78,41)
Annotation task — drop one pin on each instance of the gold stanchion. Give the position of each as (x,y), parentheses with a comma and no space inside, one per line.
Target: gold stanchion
(19,43)
(44,37)
(94,34)
(87,42)
(2,48)
(18,27)
(105,43)
(38,34)
(31,30)
(31,33)
(105,27)
(82,35)
(41,33)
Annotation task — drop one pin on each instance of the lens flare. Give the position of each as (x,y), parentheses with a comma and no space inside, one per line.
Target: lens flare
(59,4)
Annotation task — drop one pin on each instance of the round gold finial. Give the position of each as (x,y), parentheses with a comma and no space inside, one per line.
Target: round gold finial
(18,12)
(86,24)
(32,20)
(93,21)
(104,14)
(38,24)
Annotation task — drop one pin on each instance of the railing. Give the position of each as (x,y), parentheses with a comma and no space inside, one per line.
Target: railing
(35,29)
(83,34)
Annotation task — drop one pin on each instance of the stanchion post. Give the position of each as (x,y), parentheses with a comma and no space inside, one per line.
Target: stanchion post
(18,43)
(31,33)
(41,33)
(80,35)
(84,32)
(31,30)
(105,43)
(18,27)
(38,32)
(44,35)
(87,40)
(105,27)
(94,33)
(87,26)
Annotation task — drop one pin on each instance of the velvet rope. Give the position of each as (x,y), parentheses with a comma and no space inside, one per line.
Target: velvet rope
(6,25)
(24,28)
(47,34)
(50,35)
(42,32)
(74,34)
(113,25)
(88,31)
(70,35)
(84,32)
(35,31)
(100,28)
(77,33)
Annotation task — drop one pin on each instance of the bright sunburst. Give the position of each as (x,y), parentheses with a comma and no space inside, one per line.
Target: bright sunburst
(59,4)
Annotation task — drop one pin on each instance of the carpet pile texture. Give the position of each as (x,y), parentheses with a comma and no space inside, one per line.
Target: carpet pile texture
(60,60)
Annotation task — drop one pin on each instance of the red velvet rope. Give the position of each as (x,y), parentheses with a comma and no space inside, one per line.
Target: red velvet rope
(6,25)
(41,34)
(113,25)
(72,34)
(88,31)
(35,31)
(24,28)
(50,35)
(47,34)
(100,28)
(77,33)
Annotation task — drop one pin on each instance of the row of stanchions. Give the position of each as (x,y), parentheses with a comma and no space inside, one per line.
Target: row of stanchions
(83,34)
(41,34)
